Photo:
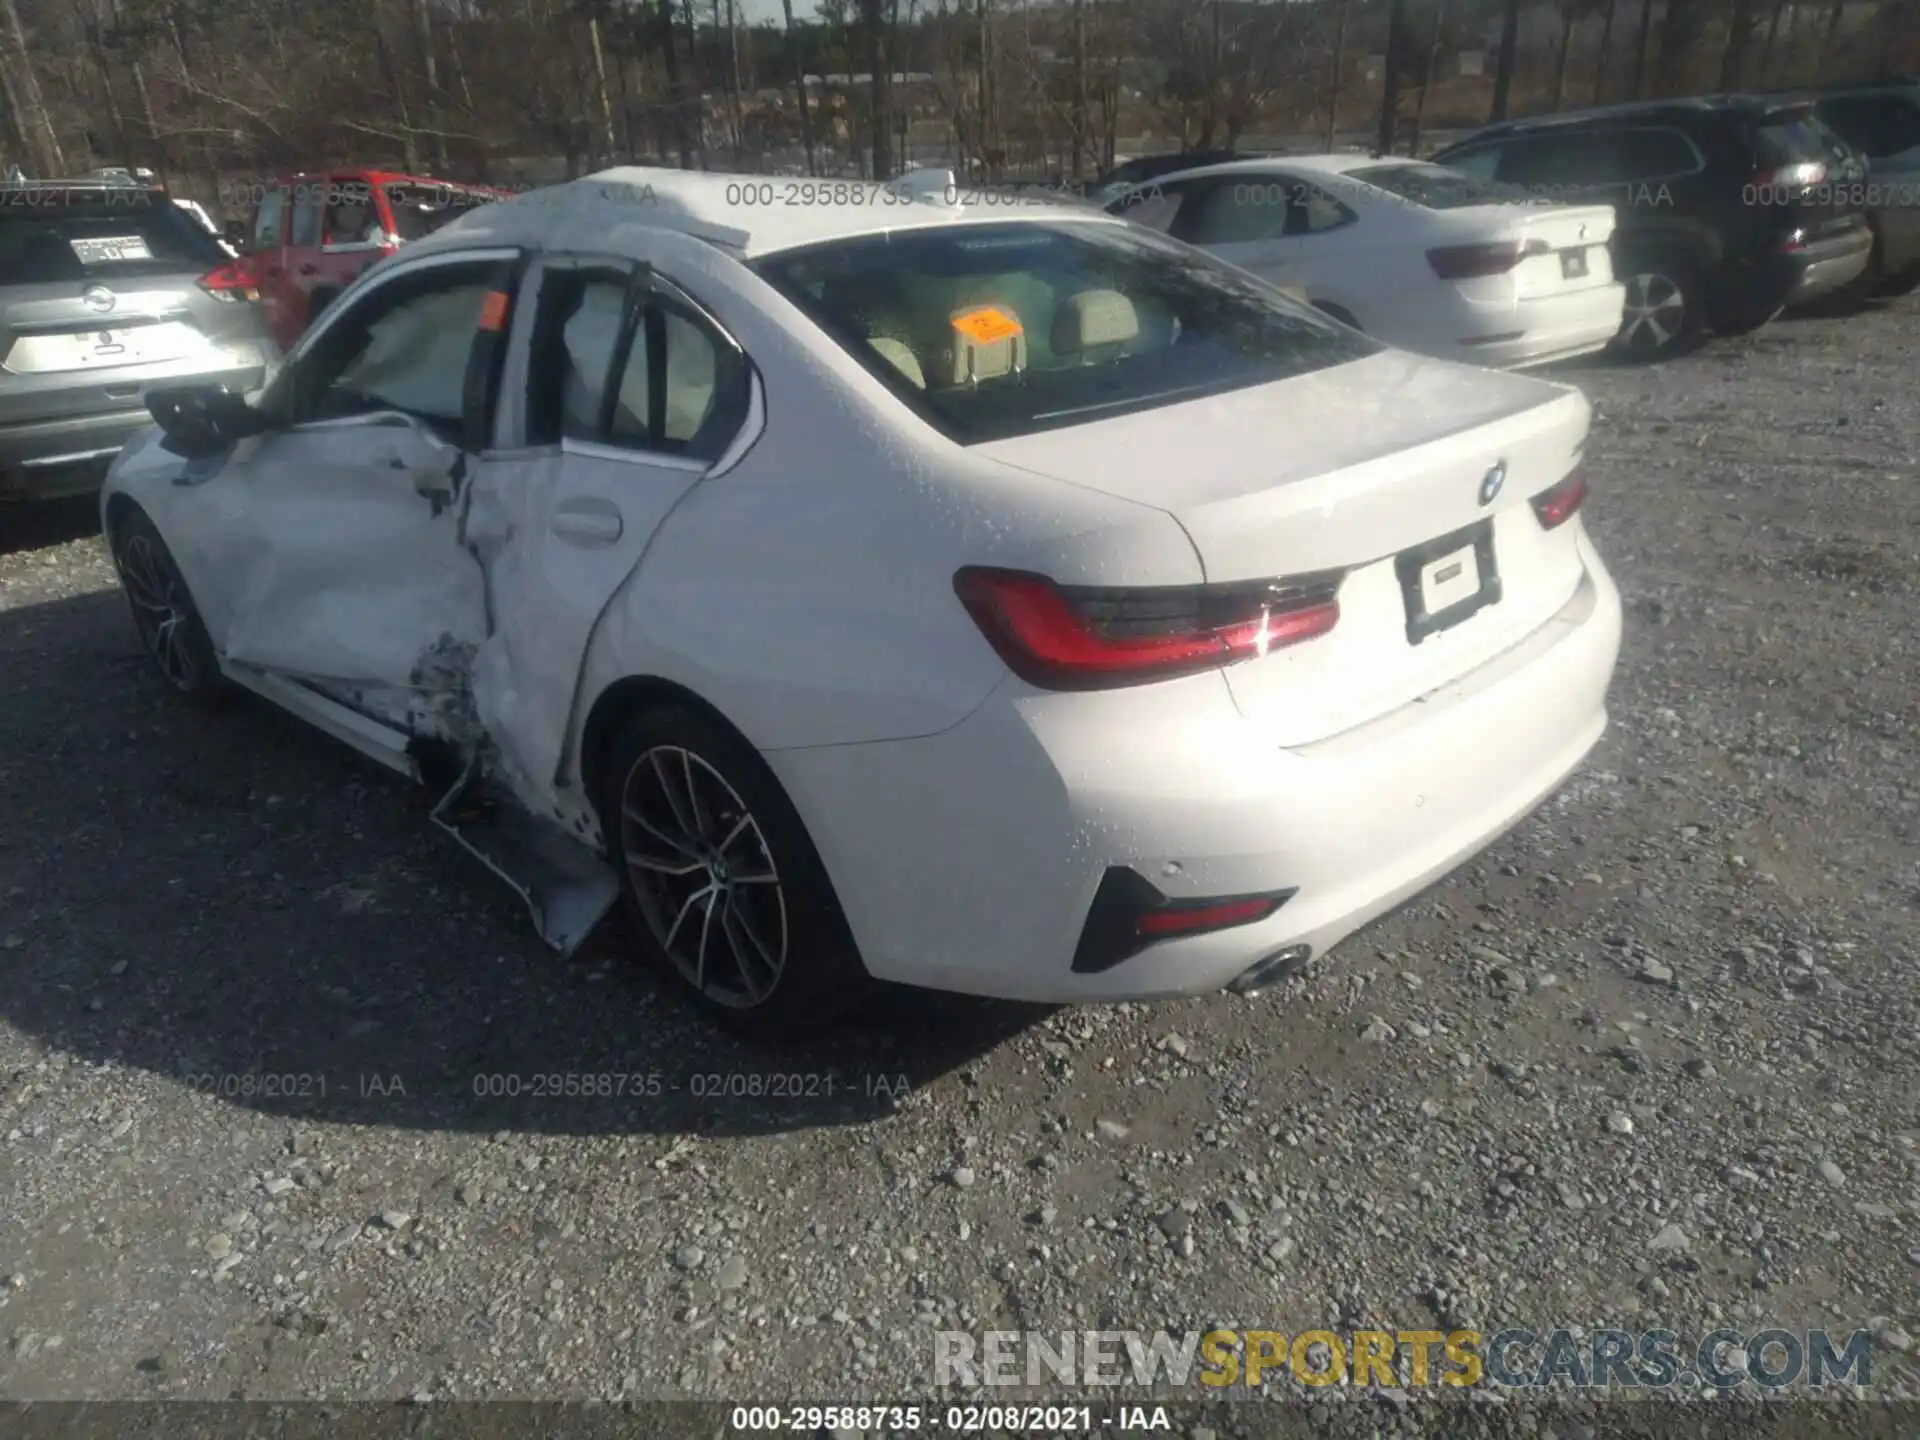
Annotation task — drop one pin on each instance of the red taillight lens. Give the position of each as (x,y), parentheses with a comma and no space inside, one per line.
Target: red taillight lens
(1468,262)
(1557,506)
(1064,637)
(230,283)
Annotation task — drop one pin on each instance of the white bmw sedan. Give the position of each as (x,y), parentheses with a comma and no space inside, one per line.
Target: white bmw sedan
(870,584)
(1418,255)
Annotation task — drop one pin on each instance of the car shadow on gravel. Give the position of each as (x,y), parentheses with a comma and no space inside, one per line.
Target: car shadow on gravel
(238,903)
(35,525)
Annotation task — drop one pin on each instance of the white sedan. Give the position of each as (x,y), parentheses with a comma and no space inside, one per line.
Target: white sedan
(1420,256)
(1006,600)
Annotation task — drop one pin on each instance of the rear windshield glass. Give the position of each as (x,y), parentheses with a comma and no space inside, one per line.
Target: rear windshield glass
(419,210)
(995,330)
(1432,186)
(1785,142)
(50,235)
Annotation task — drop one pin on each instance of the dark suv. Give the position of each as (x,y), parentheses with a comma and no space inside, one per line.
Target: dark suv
(108,289)
(1728,207)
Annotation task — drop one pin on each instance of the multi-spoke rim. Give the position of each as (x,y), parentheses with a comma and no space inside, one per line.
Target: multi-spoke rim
(1655,310)
(161,609)
(704,876)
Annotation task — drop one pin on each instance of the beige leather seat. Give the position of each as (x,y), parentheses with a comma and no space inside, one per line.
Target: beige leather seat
(1094,327)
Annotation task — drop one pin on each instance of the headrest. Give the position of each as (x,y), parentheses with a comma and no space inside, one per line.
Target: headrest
(988,342)
(1092,318)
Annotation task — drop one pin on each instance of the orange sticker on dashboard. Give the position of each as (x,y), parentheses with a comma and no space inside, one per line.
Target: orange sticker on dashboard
(493,313)
(986,325)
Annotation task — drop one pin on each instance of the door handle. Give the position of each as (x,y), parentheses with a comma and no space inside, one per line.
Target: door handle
(588,522)
(309,269)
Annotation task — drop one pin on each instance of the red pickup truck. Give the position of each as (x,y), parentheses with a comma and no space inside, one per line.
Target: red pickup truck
(312,233)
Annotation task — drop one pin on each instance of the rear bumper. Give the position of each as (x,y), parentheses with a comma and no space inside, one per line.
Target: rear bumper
(1540,330)
(969,860)
(44,459)
(1824,265)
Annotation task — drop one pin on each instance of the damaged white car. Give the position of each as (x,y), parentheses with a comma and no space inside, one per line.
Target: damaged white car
(1007,600)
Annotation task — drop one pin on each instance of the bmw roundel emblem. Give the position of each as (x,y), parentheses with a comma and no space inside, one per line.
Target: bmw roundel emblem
(1495,478)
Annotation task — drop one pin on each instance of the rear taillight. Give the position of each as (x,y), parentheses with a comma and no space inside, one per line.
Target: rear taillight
(1797,176)
(1068,637)
(229,283)
(1557,506)
(1469,262)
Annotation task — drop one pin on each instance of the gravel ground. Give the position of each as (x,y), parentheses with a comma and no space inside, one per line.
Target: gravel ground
(1654,1060)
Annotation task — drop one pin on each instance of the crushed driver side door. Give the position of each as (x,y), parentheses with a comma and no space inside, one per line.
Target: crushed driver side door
(327,552)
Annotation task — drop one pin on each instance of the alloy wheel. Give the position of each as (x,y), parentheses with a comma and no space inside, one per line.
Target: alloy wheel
(162,611)
(1654,314)
(704,876)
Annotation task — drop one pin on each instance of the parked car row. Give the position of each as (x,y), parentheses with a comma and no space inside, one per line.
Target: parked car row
(110,287)
(1643,226)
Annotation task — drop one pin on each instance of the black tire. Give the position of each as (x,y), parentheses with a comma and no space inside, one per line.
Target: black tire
(1665,307)
(778,960)
(164,614)
(1902,282)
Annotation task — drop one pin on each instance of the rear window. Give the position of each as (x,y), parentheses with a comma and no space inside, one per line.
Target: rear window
(1786,142)
(419,210)
(48,236)
(997,330)
(1431,186)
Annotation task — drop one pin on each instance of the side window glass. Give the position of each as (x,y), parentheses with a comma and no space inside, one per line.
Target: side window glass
(1654,155)
(307,197)
(583,314)
(647,376)
(1152,205)
(268,220)
(1314,212)
(349,213)
(404,347)
(1480,164)
(1235,213)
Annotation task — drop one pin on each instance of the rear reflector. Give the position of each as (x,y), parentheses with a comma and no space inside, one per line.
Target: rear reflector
(1066,637)
(229,283)
(1468,262)
(1129,914)
(1557,506)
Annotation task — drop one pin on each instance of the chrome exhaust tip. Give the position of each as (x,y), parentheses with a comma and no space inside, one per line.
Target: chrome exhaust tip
(1271,970)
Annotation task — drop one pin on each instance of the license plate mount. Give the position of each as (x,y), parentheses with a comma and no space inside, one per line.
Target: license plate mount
(1573,264)
(1448,579)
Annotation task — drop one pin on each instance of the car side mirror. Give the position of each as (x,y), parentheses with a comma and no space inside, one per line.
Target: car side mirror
(201,421)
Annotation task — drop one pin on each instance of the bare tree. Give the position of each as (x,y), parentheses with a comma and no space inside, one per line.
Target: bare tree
(1339,60)
(1390,99)
(1503,67)
(23,95)
(799,68)
(1640,50)
(1740,27)
(1606,46)
(1428,74)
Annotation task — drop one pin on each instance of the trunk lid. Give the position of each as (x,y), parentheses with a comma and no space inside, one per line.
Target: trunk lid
(1576,256)
(1352,468)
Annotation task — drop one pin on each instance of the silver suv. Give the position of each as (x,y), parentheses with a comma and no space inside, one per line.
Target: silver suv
(107,290)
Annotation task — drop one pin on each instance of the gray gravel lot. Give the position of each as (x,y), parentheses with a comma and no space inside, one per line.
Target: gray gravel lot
(1654,1060)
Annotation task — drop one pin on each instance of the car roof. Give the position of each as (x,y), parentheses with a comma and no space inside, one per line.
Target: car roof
(1339,163)
(713,207)
(1668,110)
(383,177)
